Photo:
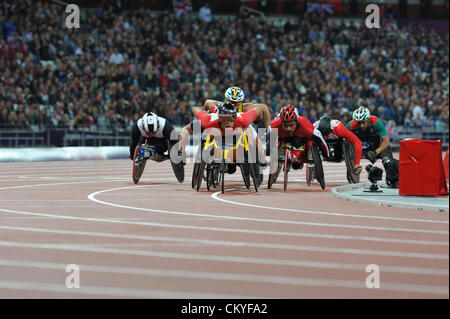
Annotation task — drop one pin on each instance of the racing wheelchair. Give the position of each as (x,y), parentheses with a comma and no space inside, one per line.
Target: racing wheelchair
(308,154)
(144,152)
(213,160)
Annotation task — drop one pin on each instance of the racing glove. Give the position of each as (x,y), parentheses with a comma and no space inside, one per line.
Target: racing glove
(371,156)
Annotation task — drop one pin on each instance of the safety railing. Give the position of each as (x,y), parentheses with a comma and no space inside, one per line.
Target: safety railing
(63,137)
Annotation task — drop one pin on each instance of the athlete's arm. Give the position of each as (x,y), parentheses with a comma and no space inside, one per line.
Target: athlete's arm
(380,130)
(184,136)
(318,139)
(209,104)
(265,113)
(203,117)
(308,130)
(196,110)
(384,144)
(341,131)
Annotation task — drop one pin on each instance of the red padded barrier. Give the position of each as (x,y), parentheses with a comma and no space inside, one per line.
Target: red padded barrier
(446,164)
(421,168)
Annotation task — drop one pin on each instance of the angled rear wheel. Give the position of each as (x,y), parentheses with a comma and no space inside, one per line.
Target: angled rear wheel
(138,164)
(318,168)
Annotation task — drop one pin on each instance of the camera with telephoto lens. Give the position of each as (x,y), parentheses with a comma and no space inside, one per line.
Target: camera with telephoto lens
(375,175)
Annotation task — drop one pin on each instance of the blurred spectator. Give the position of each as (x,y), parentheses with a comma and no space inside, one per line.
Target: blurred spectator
(182,7)
(121,63)
(205,13)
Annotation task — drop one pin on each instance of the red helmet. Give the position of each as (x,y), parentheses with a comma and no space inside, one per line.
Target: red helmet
(288,113)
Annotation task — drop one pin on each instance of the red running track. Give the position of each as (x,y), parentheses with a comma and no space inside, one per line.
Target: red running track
(162,239)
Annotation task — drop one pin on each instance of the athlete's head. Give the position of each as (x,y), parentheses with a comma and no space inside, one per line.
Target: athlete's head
(227,115)
(325,126)
(288,115)
(234,95)
(361,117)
(150,123)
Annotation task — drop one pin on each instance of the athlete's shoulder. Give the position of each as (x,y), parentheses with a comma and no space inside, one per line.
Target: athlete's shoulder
(351,125)
(336,123)
(303,120)
(276,122)
(373,119)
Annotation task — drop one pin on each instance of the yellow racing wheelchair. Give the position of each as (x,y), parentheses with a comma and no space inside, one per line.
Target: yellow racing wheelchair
(215,156)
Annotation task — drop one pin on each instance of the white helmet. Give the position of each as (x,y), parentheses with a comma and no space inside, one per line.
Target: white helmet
(234,94)
(361,114)
(150,122)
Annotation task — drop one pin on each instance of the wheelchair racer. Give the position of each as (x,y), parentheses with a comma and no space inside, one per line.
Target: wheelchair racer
(333,131)
(235,95)
(158,132)
(227,117)
(372,133)
(296,130)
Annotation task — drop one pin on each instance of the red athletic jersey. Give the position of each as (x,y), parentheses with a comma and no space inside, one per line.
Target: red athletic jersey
(243,120)
(372,120)
(305,127)
(341,131)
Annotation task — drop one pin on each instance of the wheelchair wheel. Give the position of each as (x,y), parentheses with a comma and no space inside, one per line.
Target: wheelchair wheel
(318,168)
(349,157)
(209,178)
(222,174)
(286,168)
(201,170)
(309,169)
(178,170)
(138,164)
(254,176)
(274,176)
(245,174)
(195,172)
(216,175)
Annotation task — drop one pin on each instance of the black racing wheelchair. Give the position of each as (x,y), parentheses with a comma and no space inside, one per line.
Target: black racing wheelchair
(144,152)
(308,154)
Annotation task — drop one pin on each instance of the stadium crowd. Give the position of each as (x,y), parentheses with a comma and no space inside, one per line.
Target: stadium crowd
(119,64)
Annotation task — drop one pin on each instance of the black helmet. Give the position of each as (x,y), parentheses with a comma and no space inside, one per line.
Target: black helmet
(227,109)
(325,125)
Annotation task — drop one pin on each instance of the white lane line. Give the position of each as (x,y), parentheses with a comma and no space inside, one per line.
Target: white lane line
(115,291)
(232,259)
(205,275)
(230,230)
(315,264)
(262,220)
(216,197)
(49,184)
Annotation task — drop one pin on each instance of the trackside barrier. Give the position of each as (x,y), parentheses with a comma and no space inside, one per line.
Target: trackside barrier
(421,168)
(446,164)
(62,153)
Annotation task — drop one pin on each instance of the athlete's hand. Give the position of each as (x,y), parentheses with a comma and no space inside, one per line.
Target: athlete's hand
(371,156)
(357,169)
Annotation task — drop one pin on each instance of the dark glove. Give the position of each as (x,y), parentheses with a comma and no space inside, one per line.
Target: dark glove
(183,160)
(371,156)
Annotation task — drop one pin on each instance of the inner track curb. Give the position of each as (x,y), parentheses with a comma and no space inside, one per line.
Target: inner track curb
(389,198)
